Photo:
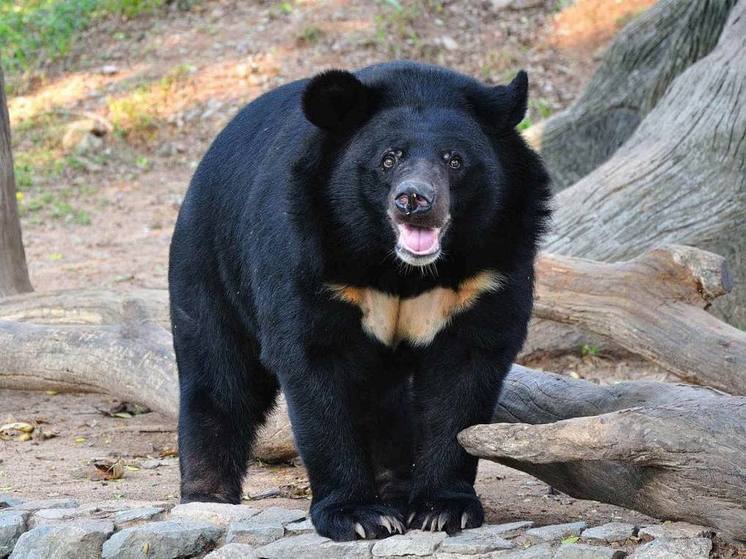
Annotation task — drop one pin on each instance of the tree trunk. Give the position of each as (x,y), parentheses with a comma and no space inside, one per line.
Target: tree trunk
(634,74)
(13,273)
(680,178)
(671,451)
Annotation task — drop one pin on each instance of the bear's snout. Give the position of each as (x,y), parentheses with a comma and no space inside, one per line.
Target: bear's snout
(412,197)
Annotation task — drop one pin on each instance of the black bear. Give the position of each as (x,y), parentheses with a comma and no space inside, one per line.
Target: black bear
(365,243)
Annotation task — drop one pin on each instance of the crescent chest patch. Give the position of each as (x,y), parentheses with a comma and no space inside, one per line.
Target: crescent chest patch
(392,319)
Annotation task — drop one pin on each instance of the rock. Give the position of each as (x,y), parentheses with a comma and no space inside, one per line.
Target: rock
(90,143)
(70,540)
(516,4)
(54,516)
(693,548)
(154,463)
(79,136)
(32,506)
(555,532)
(12,525)
(252,533)
(449,43)
(164,540)
(301,527)
(126,518)
(414,542)
(8,501)
(675,530)
(313,546)
(233,551)
(609,533)
(585,551)
(541,551)
(274,515)
(474,541)
(220,514)
(109,70)
(507,530)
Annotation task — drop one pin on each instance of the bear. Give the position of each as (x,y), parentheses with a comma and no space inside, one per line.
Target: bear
(363,242)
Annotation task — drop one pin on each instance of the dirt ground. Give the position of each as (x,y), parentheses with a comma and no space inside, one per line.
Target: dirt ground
(167,83)
(61,466)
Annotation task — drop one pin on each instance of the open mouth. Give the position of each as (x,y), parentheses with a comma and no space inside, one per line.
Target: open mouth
(418,246)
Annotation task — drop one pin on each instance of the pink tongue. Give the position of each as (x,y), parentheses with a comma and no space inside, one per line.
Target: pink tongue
(417,239)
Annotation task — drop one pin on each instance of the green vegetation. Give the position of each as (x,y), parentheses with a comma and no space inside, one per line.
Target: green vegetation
(589,351)
(538,109)
(395,27)
(310,35)
(136,115)
(36,31)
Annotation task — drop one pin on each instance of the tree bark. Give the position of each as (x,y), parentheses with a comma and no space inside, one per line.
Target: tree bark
(634,74)
(13,273)
(653,306)
(680,178)
(671,451)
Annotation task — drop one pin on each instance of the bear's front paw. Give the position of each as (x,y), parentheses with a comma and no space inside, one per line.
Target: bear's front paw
(345,522)
(451,512)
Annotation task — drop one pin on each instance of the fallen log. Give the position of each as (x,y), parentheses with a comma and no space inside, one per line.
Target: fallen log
(653,306)
(670,451)
(125,354)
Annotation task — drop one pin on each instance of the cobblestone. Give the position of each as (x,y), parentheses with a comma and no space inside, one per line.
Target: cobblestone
(70,540)
(555,532)
(61,528)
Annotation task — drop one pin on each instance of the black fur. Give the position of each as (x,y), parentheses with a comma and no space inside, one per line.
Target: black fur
(286,202)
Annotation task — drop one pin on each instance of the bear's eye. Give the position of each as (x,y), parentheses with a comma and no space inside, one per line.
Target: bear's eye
(455,162)
(389,160)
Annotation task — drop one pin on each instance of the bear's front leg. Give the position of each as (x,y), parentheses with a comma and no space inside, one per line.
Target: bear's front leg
(452,392)
(327,412)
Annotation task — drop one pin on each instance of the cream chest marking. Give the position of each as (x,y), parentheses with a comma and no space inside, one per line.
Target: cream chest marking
(418,319)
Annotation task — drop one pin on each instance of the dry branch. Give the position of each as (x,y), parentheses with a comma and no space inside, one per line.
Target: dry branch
(670,451)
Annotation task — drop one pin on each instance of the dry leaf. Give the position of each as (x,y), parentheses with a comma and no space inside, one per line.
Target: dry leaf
(17,431)
(18,426)
(124,410)
(167,452)
(106,470)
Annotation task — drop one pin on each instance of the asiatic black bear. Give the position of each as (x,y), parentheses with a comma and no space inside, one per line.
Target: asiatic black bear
(365,243)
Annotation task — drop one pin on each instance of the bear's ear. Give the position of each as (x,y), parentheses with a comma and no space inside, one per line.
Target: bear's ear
(336,100)
(504,106)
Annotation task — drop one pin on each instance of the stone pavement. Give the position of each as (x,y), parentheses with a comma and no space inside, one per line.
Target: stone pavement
(65,529)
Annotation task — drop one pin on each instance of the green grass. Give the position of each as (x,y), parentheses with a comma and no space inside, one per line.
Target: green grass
(36,31)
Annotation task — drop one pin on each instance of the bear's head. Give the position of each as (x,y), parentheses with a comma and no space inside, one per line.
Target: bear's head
(424,165)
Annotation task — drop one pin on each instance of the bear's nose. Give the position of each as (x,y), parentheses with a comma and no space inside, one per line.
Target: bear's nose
(413,197)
